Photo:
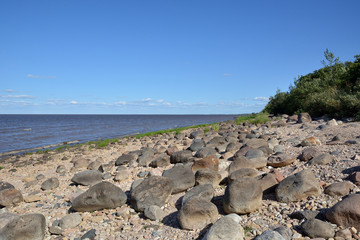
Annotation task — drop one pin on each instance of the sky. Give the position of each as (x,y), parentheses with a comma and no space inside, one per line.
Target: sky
(164,57)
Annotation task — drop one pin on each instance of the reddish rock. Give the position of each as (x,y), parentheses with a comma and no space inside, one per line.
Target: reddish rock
(278,176)
(310,141)
(209,162)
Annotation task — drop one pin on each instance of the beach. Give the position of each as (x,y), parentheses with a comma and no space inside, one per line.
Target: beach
(54,183)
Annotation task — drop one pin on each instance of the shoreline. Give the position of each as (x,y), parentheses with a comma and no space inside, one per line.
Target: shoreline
(130,161)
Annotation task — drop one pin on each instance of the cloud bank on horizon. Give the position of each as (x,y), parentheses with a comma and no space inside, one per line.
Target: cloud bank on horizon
(164,57)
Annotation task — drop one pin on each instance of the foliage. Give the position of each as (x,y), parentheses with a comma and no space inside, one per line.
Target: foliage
(1,167)
(253,118)
(333,90)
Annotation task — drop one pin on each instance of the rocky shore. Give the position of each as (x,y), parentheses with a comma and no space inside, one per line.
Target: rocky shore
(291,178)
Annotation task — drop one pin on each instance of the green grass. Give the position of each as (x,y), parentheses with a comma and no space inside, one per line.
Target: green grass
(62,147)
(1,167)
(253,118)
(177,130)
(247,229)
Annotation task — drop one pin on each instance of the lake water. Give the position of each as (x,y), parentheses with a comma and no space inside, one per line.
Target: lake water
(18,132)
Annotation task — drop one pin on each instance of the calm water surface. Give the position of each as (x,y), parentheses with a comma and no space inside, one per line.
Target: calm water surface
(19,132)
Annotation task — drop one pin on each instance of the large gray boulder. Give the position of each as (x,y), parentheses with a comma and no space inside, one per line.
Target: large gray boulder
(103,195)
(226,228)
(304,117)
(182,177)
(242,196)
(346,213)
(29,226)
(126,158)
(183,156)
(203,192)
(86,178)
(321,159)
(197,214)
(339,188)
(270,235)
(316,228)
(297,187)
(50,183)
(154,190)
(10,197)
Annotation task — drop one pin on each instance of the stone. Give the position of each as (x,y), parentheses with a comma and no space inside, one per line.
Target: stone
(344,233)
(182,177)
(94,165)
(154,213)
(203,192)
(256,143)
(355,178)
(91,235)
(87,178)
(146,157)
(6,185)
(50,183)
(305,214)
(280,160)
(267,182)
(6,217)
(297,187)
(154,190)
(125,159)
(255,153)
(332,122)
(304,118)
(339,189)
(61,169)
(162,160)
(80,163)
(209,162)
(197,145)
(242,196)
(196,134)
(241,173)
(183,156)
(10,197)
(308,154)
(310,141)
(205,152)
(321,159)
(29,226)
(207,176)
(55,230)
(70,221)
(270,235)
(197,214)
(32,198)
(122,175)
(233,147)
(243,162)
(225,229)
(285,232)
(346,213)
(103,195)
(278,149)
(316,228)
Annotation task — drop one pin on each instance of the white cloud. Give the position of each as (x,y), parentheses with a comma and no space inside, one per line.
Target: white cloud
(9,90)
(18,96)
(261,99)
(40,77)
(74,102)
(147,99)
(120,103)
(160,101)
(228,75)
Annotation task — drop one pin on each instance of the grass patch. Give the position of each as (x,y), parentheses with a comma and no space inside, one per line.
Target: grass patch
(1,167)
(62,147)
(247,229)
(253,118)
(177,130)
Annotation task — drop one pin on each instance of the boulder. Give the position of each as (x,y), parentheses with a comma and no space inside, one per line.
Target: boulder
(86,178)
(241,173)
(256,143)
(226,228)
(197,214)
(182,177)
(280,160)
(154,190)
(268,182)
(339,189)
(70,221)
(304,118)
(242,196)
(270,235)
(310,141)
(205,152)
(196,134)
(29,226)
(316,228)
(297,187)
(122,175)
(355,178)
(321,159)
(233,147)
(5,185)
(197,145)
(346,213)
(103,195)
(154,213)
(10,197)
(207,176)
(125,159)
(308,154)
(209,162)
(162,160)
(183,156)
(203,192)
(243,162)
(50,183)
(255,153)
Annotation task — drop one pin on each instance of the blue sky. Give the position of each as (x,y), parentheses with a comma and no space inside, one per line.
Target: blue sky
(164,57)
